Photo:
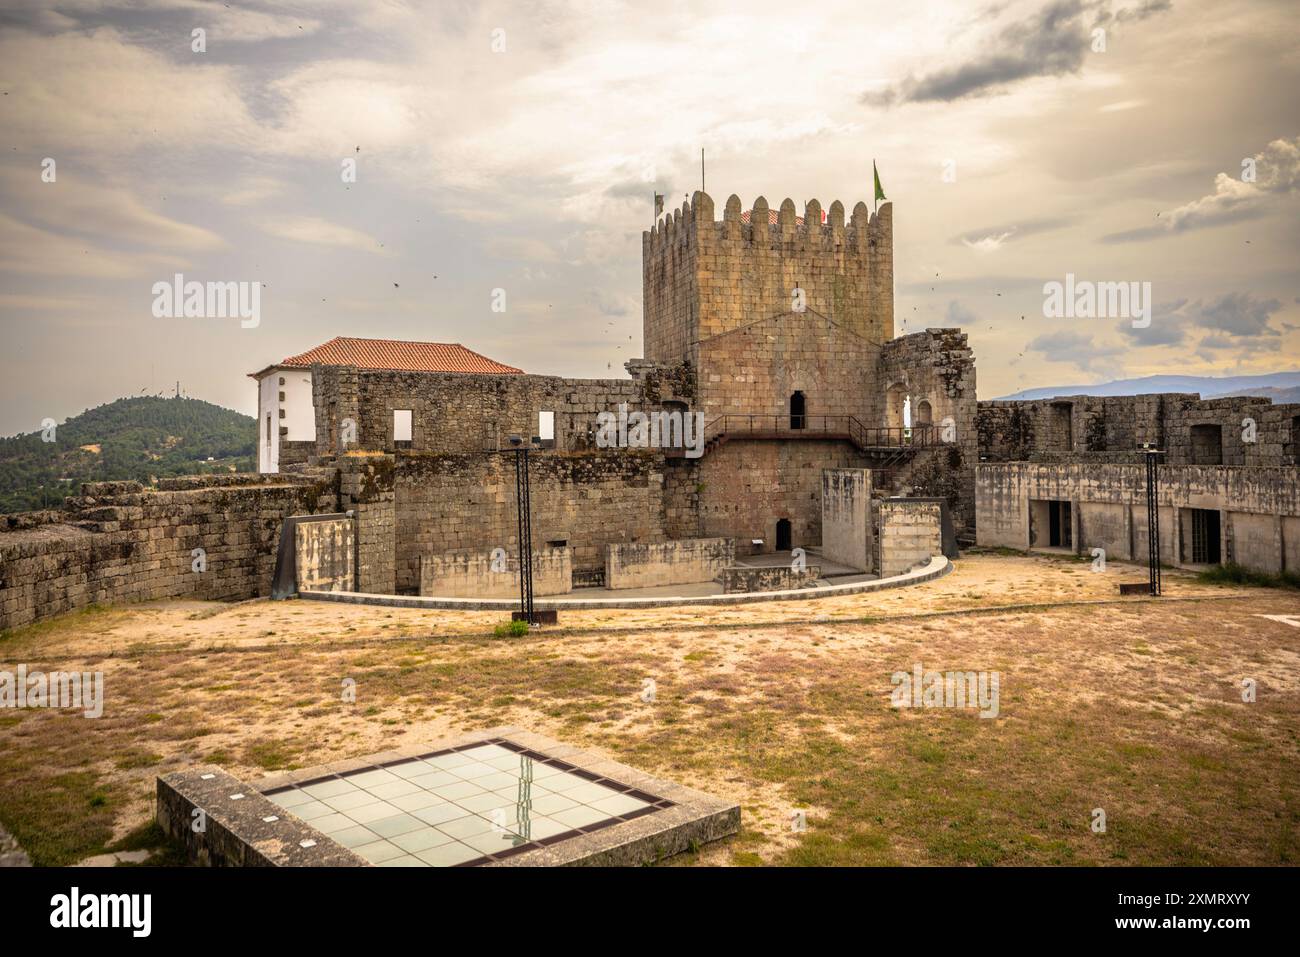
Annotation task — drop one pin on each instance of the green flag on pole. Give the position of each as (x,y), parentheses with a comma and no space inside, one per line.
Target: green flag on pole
(880,193)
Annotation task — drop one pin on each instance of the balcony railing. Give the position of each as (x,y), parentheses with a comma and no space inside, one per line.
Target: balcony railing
(786,426)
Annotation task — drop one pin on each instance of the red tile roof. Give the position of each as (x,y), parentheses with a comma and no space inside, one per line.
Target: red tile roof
(397,356)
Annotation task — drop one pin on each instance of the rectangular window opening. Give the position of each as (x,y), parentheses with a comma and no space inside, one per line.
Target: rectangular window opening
(401,425)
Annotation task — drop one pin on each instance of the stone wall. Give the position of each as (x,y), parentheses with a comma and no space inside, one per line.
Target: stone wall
(746,487)
(757,368)
(582,500)
(906,534)
(1094,425)
(649,564)
(122,542)
(744,578)
(846,517)
(702,277)
(366,489)
(477,575)
(456,413)
(324,555)
(935,369)
(1259,509)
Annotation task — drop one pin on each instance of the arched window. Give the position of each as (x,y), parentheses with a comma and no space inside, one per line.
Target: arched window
(798,411)
(923,414)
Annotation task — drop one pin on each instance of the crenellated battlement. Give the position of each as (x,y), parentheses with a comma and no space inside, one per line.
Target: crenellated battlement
(703,276)
(694,222)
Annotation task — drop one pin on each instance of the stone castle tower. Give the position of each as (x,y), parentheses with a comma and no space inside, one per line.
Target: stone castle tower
(702,277)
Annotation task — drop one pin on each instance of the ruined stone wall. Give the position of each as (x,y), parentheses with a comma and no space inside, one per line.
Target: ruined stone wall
(746,486)
(846,517)
(1012,431)
(454,413)
(935,368)
(650,564)
(1259,508)
(121,542)
(905,534)
(474,575)
(449,502)
(743,578)
(366,481)
(1227,419)
(1017,431)
(324,555)
(702,277)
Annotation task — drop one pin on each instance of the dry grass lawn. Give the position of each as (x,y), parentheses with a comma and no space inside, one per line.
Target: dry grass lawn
(1131,705)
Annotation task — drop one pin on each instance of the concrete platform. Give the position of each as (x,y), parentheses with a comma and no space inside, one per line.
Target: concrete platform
(499,797)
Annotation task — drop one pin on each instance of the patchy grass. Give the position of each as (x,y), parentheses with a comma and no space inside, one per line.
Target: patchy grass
(1234,574)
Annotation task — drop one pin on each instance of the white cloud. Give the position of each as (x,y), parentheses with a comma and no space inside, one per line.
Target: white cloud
(322,232)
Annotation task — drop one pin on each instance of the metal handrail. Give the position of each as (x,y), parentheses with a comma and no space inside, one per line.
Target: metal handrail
(840,425)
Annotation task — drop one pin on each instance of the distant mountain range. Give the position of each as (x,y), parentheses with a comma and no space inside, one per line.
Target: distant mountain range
(1278,386)
(141,438)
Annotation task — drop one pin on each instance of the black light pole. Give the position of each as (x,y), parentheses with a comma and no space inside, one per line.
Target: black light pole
(524,510)
(1153,516)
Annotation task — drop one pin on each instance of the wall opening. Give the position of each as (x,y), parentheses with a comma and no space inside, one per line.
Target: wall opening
(924,414)
(1207,444)
(1201,536)
(1062,427)
(546,428)
(895,402)
(401,426)
(1050,524)
(783,543)
(798,411)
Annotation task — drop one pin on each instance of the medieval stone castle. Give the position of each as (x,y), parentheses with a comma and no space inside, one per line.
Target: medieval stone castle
(779,329)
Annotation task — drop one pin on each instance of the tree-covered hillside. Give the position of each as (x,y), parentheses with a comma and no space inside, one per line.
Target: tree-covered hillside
(143,438)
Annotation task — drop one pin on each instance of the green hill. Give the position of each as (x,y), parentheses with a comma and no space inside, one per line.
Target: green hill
(143,438)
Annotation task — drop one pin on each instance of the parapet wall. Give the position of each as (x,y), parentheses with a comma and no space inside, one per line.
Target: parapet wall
(1230,430)
(122,542)
(846,517)
(480,575)
(907,534)
(703,277)
(682,562)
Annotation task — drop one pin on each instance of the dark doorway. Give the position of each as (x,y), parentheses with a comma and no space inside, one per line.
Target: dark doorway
(1205,536)
(783,535)
(798,411)
(1059,535)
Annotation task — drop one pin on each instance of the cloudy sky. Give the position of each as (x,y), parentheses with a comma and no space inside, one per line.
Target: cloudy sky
(517,145)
